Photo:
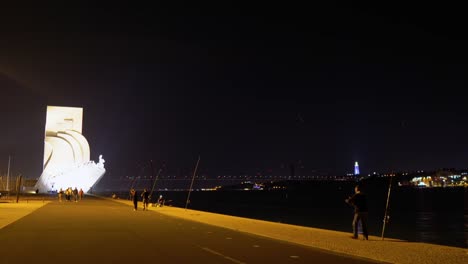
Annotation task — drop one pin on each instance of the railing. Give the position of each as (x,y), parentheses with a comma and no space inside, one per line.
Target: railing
(11,198)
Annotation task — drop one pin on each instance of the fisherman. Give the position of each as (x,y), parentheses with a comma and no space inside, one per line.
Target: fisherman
(359,201)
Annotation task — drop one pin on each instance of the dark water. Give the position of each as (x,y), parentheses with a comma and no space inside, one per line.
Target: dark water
(435,215)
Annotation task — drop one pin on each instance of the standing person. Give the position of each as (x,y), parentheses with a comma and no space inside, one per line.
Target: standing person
(75,194)
(145,196)
(68,193)
(359,201)
(81,194)
(60,193)
(134,195)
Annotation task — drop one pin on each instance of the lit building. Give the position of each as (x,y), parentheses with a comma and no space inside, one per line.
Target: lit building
(356,168)
(66,153)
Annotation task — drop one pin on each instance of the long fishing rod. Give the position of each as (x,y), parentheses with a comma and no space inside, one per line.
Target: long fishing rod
(133,182)
(8,175)
(135,178)
(193,178)
(386,216)
(155,180)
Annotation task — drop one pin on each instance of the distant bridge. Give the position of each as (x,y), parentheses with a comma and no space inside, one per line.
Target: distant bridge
(200,182)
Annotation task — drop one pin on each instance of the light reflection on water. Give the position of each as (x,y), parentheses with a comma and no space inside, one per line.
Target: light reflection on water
(448,228)
(425,226)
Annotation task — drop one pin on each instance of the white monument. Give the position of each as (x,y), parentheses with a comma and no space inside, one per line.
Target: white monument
(66,153)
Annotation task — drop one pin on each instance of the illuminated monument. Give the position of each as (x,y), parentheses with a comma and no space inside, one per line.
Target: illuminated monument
(66,153)
(356,168)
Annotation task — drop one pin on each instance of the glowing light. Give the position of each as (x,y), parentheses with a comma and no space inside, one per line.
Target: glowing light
(356,168)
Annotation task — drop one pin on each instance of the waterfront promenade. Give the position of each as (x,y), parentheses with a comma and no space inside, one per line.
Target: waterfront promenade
(109,231)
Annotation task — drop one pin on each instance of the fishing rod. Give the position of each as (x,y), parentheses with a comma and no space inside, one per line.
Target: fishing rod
(386,216)
(155,180)
(135,178)
(193,178)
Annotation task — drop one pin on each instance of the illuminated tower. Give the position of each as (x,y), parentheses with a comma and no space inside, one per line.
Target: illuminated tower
(356,168)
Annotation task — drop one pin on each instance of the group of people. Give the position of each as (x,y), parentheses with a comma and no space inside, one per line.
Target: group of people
(71,194)
(145,198)
(358,201)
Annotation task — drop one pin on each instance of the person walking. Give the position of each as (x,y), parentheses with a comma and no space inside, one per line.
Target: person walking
(145,196)
(68,194)
(81,193)
(134,195)
(359,201)
(75,194)
(60,193)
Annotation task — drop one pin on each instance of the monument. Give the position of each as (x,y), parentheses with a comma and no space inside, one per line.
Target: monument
(66,153)
(356,168)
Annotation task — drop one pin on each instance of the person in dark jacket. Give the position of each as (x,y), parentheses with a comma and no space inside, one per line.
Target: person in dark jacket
(145,196)
(134,195)
(359,201)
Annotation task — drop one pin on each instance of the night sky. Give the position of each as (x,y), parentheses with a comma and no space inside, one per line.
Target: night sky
(251,88)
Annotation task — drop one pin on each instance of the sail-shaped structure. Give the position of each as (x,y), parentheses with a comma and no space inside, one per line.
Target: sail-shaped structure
(67,153)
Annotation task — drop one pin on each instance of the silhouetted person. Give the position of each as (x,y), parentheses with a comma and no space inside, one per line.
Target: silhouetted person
(81,193)
(60,193)
(359,201)
(145,196)
(75,194)
(134,195)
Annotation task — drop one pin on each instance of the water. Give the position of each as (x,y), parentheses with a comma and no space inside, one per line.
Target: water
(436,215)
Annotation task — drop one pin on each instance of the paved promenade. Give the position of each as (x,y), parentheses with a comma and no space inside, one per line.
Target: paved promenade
(389,250)
(109,231)
(10,212)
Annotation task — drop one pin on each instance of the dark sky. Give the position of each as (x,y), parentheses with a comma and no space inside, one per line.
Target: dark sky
(249,87)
